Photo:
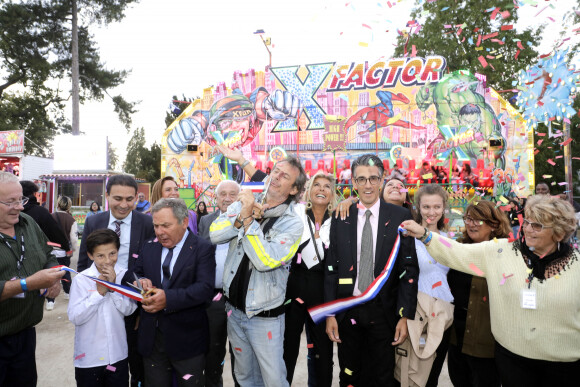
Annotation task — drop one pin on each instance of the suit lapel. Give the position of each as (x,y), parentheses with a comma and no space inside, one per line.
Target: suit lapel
(352,232)
(188,247)
(155,262)
(380,259)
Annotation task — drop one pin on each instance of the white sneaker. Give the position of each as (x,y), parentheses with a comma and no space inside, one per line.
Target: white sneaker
(50,305)
(66,296)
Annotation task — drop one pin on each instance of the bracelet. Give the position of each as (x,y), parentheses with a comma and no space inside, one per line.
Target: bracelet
(426,241)
(422,238)
(245,163)
(23,284)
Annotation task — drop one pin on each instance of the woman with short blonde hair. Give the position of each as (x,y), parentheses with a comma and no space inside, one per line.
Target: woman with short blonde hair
(306,280)
(533,283)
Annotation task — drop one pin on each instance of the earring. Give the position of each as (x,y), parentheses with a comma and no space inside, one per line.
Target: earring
(308,205)
(329,208)
(558,246)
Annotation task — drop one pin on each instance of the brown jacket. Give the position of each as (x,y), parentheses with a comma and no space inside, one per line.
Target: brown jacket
(477,338)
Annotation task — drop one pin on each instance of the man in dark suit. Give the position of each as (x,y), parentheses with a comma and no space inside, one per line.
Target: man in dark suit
(226,193)
(360,246)
(133,229)
(178,268)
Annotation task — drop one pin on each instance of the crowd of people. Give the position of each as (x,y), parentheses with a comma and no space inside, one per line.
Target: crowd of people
(501,301)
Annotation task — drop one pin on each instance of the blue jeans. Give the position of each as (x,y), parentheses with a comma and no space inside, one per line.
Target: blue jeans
(258,344)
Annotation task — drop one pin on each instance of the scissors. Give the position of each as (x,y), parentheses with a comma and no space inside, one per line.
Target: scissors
(139,287)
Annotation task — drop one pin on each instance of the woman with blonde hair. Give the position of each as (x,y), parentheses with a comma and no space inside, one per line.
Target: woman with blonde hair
(168,188)
(533,285)
(434,293)
(305,286)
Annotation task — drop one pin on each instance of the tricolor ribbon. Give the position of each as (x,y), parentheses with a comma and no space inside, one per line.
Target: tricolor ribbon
(320,312)
(124,290)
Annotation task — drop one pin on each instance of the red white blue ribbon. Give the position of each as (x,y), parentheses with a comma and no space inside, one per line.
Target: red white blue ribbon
(124,290)
(321,312)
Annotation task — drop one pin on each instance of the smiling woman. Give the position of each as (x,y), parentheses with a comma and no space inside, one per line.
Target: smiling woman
(306,280)
(533,287)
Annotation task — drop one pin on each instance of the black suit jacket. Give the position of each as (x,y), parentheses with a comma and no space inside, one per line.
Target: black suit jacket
(141,230)
(204,223)
(184,320)
(398,292)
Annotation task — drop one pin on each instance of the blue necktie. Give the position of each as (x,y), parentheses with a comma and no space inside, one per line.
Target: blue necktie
(166,265)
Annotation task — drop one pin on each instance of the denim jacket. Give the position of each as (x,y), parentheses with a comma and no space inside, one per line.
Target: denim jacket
(268,255)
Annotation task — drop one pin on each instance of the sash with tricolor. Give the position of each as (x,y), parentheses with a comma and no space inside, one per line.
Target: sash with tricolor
(124,290)
(320,312)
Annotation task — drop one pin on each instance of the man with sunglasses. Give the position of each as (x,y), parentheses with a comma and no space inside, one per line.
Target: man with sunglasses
(26,277)
(360,246)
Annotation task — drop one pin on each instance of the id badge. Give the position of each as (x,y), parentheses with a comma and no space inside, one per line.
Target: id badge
(528,299)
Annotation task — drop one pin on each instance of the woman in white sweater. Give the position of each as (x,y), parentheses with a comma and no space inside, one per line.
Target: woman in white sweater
(534,288)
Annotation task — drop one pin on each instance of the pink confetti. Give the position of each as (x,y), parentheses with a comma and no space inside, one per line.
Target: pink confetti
(155,240)
(444,242)
(80,356)
(317,226)
(353,321)
(299,300)
(482,61)
(238,349)
(436,284)
(505,278)
(309,345)
(135,255)
(476,270)
(269,335)
(360,206)
(187,376)
(568,141)
(551,162)
(111,368)
(52,244)
(229,313)
(218,297)
(299,259)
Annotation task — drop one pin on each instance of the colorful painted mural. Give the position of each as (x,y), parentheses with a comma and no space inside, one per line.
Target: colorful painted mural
(407,109)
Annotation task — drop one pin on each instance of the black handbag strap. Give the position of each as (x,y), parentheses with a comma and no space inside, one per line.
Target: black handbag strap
(313,239)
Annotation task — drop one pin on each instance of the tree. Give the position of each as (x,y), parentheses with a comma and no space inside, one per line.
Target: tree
(143,162)
(112,157)
(35,62)
(461,44)
(549,149)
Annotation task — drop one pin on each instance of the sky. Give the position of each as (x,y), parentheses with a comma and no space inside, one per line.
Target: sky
(179,47)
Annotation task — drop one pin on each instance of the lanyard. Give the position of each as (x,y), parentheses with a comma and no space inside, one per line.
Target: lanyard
(20,261)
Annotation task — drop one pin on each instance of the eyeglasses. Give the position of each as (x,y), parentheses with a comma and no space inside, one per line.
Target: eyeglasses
(469,220)
(537,227)
(15,203)
(363,180)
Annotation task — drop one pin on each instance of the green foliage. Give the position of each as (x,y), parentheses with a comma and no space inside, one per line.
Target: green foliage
(112,157)
(471,18)
(550,149)
(35,58)
(143,162)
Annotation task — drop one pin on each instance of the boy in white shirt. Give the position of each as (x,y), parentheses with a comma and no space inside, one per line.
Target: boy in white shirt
(100,355)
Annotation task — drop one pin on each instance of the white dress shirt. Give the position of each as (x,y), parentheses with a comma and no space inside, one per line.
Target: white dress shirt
(374,220)
(123,255)
(100,337)
(176,251)
(431,273)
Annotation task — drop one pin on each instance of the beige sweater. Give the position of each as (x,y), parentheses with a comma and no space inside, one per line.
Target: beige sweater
(550,332)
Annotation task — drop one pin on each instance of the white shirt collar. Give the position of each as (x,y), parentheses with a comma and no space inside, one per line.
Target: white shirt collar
(126,220)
